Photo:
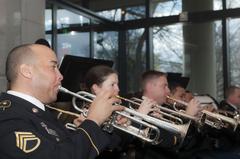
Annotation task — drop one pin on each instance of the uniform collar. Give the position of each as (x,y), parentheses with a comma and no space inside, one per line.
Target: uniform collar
(28,98)
(231,105)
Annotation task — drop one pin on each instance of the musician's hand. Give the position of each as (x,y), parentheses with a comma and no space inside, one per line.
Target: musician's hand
(193,107)
(102,107)
(78,121)
(146,106)
(121,120)
(156,114)
(210,108)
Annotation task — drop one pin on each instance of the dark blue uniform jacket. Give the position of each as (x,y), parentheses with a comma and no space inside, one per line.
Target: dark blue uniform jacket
(27,132)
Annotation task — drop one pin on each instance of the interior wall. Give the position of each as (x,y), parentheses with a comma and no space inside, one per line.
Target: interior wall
(21,21)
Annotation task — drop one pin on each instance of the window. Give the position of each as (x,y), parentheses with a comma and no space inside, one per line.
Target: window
(48,23)
(66,18)
(234,47)
(130,13)
(136,58)
(233,3)
(71,42)
(106,46)
(219,60)
(167,8)
(114,14)
(168,48)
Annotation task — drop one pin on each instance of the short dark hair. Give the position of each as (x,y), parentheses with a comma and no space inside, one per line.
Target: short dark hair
(230,90)
(15,57)
(173,86)
(97,75)
(150,75)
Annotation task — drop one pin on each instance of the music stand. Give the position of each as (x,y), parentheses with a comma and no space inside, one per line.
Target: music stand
(74,69)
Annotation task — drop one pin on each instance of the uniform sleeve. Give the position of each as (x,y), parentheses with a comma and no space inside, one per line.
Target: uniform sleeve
(20,139)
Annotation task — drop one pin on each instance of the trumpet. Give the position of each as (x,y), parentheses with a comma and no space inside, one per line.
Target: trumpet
(146,131)
(166,121)
(173,115)
(212,119)
(148,122)
(219,121)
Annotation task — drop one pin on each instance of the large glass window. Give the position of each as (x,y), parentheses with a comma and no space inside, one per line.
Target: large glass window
(48,23)
(136,58)
(66,18)
(135,13)
(219,60)
(184,51)
(114,14)
(178,47)
(168,48)
(217,5)
(106,46)
(166,8)
(233,3)
(71,42)
(130,13)
(234,53)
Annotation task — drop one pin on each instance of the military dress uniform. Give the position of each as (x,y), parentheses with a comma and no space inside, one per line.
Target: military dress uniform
(224,105)
(29,132)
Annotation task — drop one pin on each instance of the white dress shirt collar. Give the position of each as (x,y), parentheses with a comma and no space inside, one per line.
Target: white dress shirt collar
(28,98)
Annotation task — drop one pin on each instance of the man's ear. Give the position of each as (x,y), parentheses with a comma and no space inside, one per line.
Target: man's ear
(149,85)
(26,71)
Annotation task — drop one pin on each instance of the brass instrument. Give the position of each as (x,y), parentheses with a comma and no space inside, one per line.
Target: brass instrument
(212,119)
(177,105)
(136,117)
(219,121)
(146,131)
(166,120)
(167,112)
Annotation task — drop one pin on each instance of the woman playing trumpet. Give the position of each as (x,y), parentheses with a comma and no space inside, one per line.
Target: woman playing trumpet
(101,78)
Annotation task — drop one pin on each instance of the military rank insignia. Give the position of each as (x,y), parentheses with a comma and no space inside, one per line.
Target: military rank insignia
(27,141)
(5,104)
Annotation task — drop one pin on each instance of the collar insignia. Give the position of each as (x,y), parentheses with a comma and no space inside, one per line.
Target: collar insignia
(27,141)
(5,104)
(34,110)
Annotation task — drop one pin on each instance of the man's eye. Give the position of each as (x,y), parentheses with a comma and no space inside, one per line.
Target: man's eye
(54,66)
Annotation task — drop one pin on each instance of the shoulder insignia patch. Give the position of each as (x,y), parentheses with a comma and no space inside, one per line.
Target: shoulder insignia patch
(4,104)
(27,141)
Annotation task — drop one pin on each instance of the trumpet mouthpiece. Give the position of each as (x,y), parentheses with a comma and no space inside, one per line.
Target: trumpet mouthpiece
(62,89)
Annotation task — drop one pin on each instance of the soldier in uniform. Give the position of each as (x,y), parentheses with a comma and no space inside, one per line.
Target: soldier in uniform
(27,128)
(232,100)
(177,91)
(155,87)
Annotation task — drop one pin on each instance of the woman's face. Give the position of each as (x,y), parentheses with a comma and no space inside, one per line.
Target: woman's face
(110,84)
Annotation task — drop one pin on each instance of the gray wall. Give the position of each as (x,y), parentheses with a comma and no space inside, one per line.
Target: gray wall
(21,21)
